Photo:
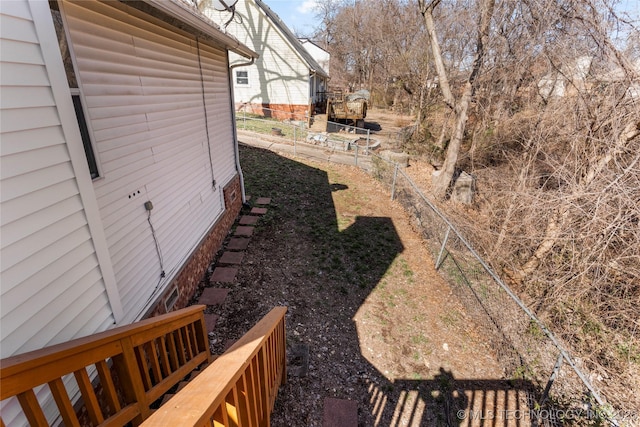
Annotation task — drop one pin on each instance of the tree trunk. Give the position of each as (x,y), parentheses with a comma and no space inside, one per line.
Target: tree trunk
(442,179)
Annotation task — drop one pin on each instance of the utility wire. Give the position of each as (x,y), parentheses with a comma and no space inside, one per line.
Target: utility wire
(155,240)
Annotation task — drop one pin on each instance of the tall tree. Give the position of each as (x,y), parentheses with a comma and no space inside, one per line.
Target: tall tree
(442,179)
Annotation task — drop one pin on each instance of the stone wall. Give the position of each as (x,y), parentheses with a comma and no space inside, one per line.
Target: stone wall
(194,269)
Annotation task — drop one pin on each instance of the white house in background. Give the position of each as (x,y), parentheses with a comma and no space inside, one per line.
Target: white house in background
(285,81)
(321,56)
(580,76)
(119,168)
(558,83)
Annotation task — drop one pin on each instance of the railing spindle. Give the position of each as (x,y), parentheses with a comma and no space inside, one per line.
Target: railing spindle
(89,396)
(251,397)
(182,356)
(187,342)
(173,352)
(107,384)
(164,359)
(243,401)
(65,406)
(255,377)
(32,409)
(152,354)
(143,366)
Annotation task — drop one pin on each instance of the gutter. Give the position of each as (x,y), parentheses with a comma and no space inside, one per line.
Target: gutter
(198,21)
(236,150)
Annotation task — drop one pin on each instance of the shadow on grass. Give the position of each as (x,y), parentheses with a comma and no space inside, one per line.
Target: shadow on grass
(323,266)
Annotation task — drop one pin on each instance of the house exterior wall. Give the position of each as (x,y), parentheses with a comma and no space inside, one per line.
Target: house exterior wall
(193,271)
(321,56)
(78,256)
(159,138)
(56,283)
(53,287)
(279,76)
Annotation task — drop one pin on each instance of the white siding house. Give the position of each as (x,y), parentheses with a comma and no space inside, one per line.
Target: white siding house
(286,77)
(80,252)
(321,56)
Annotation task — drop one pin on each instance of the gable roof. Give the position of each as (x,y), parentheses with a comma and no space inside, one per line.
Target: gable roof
(308,40)
(292,39)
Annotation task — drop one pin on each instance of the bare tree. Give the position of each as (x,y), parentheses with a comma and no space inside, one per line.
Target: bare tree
(442,179)
(540,102)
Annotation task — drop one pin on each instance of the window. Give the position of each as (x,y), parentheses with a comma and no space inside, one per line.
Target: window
(84,132)
(75,92)
(242,77)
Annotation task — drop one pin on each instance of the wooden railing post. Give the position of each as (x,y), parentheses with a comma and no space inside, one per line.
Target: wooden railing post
(126,366)
(239,387)
(136,365)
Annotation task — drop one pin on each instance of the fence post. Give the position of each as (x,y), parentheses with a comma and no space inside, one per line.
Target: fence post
(368,134)
(356,145)
(244,118)
(294,140)
(393,184)
(552,378)
(444,243)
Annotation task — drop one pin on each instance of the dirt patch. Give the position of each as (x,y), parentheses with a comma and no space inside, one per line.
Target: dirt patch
(379,324)
(387,121)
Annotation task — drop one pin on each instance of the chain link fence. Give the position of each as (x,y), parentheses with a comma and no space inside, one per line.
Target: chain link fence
(338,136)
(525,347)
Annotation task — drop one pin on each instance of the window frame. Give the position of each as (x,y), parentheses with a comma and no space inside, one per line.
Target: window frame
(245,79)
(85,133)
(77,97)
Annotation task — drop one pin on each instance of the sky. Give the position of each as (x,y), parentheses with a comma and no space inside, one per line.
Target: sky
(299,15)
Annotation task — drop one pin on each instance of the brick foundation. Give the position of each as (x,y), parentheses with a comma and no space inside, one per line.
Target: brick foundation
(277,111)
(193,271)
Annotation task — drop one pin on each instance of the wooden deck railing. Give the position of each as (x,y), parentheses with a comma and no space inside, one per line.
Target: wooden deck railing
(237,389)
(135,365)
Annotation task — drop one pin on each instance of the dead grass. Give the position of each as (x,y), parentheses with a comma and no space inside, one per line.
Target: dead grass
(363,296)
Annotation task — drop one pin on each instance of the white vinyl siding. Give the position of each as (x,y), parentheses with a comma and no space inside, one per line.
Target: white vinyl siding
(46,246)
(279,76)
(142,87)
(51,282)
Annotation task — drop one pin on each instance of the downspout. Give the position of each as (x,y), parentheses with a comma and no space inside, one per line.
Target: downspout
(314,95)
(236,149)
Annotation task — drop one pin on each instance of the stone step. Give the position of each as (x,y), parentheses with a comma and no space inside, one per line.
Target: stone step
(340,413)
(223,275)
(210,321)
(248,220)
(263,201)
(233,258)
(258,211)
(238,243)
(244,231)
(213,296)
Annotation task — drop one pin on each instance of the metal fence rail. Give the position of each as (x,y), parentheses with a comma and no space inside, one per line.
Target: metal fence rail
(336,136)
(526,348)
